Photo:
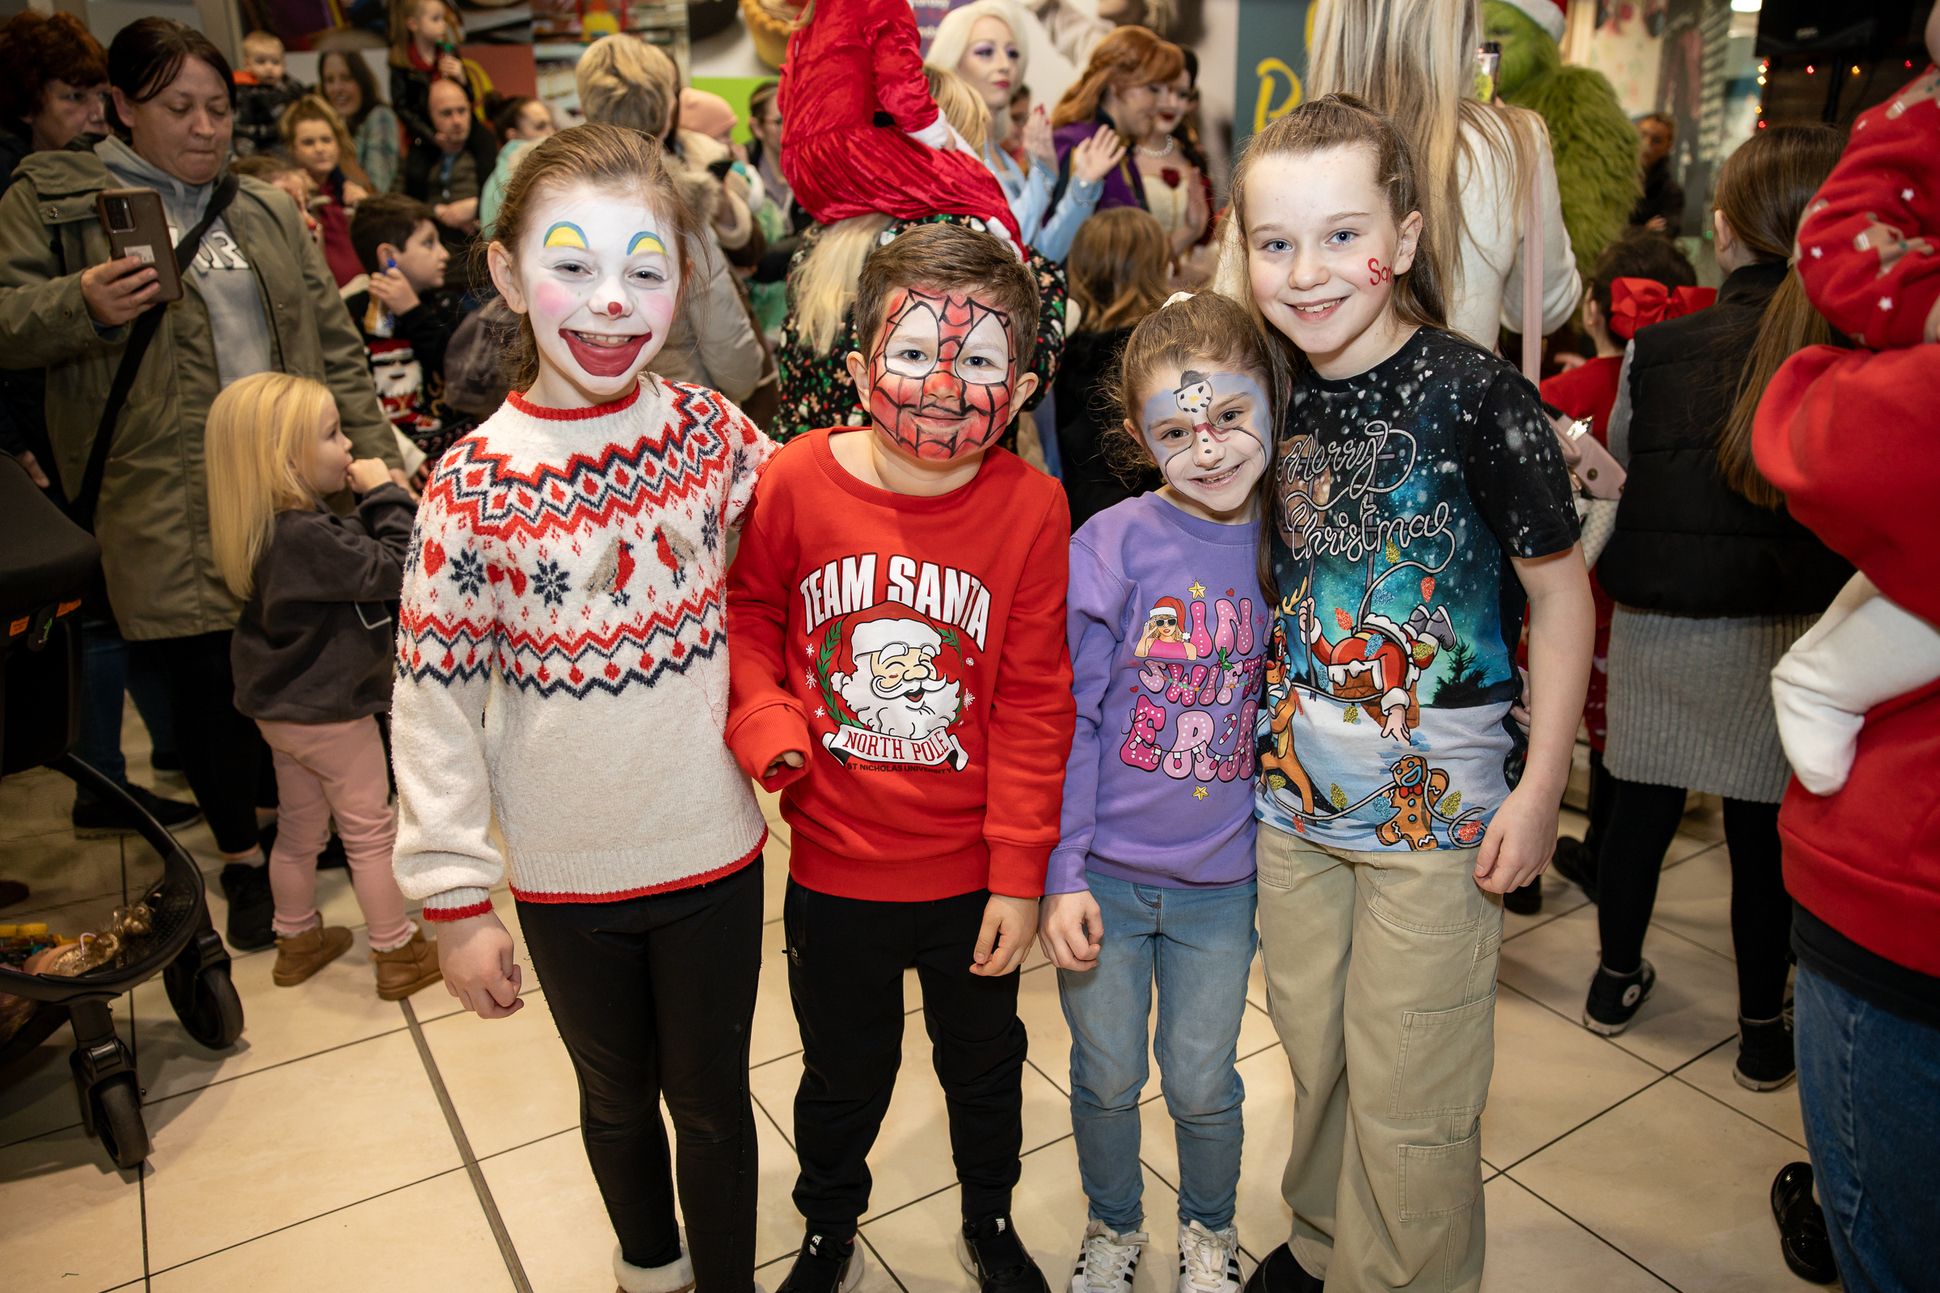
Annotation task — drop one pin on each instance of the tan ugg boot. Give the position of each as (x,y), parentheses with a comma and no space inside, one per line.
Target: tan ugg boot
(301,956)
(403,970)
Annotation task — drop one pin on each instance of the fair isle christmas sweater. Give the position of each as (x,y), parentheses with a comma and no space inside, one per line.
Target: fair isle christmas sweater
(562,661)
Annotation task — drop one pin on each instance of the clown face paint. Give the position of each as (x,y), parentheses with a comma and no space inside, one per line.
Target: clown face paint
(940,383)
(1208,432)
(598,277)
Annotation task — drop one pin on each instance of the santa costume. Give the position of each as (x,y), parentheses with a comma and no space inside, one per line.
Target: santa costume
(853,59)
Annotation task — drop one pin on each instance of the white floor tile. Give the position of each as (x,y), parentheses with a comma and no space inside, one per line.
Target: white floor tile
(1695,900)
(510,1079)
(1692,1009)
(1677,1183)
(1551,1075)
(1778,1109)
(72,1220)
(239,1159)
(1533,1248)
(432,1235)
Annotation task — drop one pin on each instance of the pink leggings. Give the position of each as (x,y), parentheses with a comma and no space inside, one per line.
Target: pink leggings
(325,770)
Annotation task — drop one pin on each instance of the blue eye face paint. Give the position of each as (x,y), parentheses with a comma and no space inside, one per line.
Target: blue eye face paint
(646,240)
(565,233)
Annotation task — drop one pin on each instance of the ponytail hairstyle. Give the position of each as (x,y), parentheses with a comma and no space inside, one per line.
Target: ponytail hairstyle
(1117,268)
(1762,192)
(613,159)
(1342,121)
(258,427)
(1205,330)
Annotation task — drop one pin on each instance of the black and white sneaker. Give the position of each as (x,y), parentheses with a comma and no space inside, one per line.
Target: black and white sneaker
(1108,1260)
(991,1251)
(1208,1259)
(1615,998)
(824,1265)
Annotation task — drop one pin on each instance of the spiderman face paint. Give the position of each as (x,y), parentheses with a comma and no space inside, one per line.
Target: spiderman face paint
(1207,430)
(940,379)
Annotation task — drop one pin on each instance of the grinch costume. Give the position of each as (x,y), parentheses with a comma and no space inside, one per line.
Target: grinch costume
(1594,142)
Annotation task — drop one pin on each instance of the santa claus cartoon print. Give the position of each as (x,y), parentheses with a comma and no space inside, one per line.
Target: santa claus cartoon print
(1380,662)
(898,702)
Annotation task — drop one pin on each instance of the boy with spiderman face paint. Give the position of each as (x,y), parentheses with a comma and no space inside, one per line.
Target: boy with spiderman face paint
(900,675)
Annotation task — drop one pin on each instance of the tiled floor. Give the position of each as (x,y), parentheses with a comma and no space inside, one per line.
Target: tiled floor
(346,1143)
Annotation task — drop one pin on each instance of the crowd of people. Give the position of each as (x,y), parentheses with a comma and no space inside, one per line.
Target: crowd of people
(1084,555)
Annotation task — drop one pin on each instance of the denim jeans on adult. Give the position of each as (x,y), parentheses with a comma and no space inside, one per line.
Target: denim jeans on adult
(106,674)
(1869,1081)
(1197,946)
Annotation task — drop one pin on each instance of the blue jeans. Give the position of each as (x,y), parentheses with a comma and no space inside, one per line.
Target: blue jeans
(107,673)
(1869,1081)
(1198,945)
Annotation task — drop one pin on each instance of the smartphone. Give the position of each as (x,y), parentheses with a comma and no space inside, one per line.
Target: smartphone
(1488,63)
(137,225)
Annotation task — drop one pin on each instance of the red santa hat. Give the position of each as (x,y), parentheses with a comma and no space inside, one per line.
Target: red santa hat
(1547,14)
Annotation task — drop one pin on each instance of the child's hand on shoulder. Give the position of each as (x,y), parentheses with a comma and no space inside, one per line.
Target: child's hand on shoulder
(476,957)
(1520,841)
(1070,928)
(367,474)
(1008,924)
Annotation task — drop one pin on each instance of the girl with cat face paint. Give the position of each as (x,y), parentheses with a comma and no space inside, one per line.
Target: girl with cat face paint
(1168,634)
(563,597)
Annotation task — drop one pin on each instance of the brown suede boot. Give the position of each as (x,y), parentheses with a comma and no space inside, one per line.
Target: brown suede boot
(403,970)
(302,956)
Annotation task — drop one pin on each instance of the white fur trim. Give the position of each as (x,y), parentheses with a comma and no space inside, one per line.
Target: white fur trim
(1547,14)
(675,1277)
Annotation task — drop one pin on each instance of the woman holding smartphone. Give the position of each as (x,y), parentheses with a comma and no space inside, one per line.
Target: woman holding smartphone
(256,295)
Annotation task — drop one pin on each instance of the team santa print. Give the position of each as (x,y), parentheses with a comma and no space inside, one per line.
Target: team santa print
(598,278)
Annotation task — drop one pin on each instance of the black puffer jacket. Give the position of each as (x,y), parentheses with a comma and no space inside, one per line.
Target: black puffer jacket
(1685,541)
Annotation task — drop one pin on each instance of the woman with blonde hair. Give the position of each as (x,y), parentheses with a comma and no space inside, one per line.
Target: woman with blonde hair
(319,142)
(312,657)
(624,81)
(1414,62)
(982,43)
(1130,74)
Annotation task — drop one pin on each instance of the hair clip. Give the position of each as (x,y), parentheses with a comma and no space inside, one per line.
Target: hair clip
(1176,297)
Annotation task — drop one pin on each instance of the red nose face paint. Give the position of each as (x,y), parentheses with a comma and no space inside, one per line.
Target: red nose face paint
(1377,273)
(940,378)
(613,309)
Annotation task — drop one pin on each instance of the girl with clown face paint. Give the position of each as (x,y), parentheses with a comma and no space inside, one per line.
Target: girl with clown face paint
(562,601)
(1168,633)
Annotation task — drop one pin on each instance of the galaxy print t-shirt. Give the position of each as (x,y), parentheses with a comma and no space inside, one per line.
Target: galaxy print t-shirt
(1401,494)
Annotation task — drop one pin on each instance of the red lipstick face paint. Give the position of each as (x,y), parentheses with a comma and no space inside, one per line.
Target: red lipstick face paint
(606,361)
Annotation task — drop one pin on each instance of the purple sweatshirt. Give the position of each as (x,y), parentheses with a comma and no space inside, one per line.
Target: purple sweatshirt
(1168,639)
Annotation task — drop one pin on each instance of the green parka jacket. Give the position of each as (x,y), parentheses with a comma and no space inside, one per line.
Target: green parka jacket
(153,516)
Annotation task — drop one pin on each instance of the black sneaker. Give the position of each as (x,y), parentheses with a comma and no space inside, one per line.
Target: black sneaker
(94,817)
(1526,900)
(990,1250)
(824,1265)
(1576,863)
(250,906)
(1614,998)
(1766,1060)
(1281,1272)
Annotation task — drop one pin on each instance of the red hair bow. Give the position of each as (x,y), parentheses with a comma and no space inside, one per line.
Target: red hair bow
(1639,302)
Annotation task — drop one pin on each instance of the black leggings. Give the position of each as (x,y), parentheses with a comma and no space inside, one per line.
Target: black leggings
(654,996)
(1642,823)
(223,755)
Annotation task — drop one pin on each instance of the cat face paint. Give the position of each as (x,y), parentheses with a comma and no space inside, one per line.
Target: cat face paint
(940,378)
(1208,432)
(600,284)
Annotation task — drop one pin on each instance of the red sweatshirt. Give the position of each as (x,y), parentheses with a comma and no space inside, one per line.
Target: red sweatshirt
(915,649)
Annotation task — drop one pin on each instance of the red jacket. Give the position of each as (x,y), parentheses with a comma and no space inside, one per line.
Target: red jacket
(1849,437)
(914,649)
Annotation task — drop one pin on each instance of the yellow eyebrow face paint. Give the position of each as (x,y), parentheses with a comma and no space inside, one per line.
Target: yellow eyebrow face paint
(565,234)
(646,240)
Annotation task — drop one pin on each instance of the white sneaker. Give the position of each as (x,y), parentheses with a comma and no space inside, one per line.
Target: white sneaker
(1208,1259)
(1107,1261)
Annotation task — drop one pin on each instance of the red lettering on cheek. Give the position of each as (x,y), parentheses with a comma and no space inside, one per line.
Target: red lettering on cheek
(1377,273)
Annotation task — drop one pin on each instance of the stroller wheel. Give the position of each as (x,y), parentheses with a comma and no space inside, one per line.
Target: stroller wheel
(115,1104)
(205,1001)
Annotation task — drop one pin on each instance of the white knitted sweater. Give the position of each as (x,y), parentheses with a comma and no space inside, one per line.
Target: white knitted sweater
(562,658)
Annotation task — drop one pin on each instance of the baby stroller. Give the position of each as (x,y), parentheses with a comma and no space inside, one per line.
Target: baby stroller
(46,565)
